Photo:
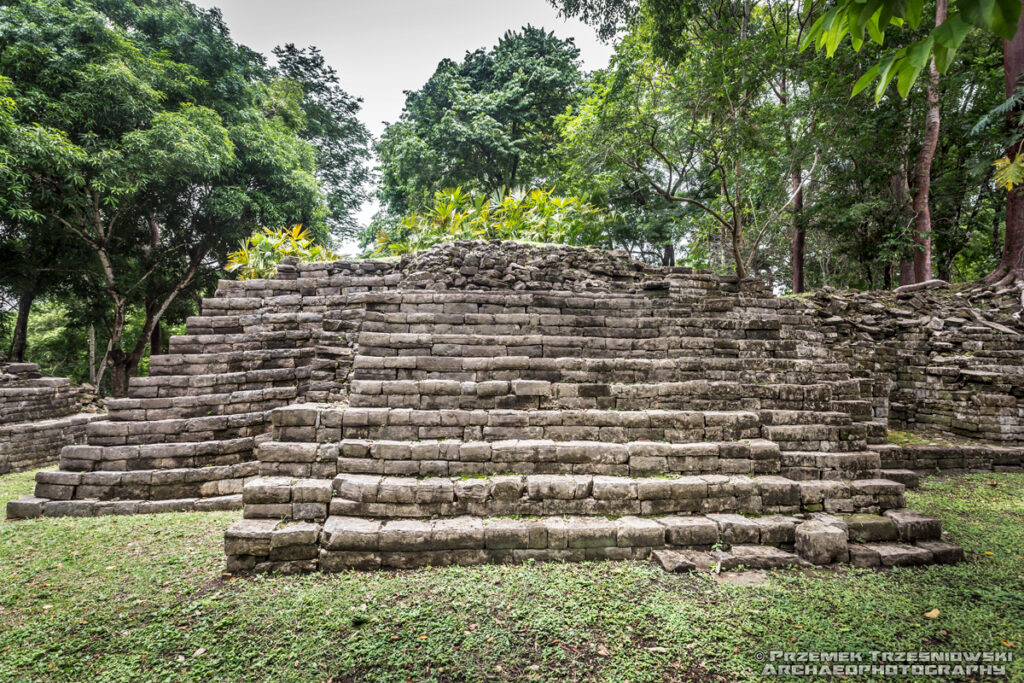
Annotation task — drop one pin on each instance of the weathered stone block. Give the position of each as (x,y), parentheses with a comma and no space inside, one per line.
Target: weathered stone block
(820,543)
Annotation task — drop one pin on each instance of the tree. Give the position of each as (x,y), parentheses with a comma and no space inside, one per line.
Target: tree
(153,143)
(340,139)
(932,49)
(850,18)
(484,123)
(702,130)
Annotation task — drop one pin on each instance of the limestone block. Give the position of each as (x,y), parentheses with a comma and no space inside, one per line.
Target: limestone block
(637,531)
(820,543)
(351,534)
(914,526)
(690,531)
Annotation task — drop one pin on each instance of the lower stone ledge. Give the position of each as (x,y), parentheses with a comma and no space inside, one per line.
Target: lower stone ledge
(31,507)
(677,543)
(951,458)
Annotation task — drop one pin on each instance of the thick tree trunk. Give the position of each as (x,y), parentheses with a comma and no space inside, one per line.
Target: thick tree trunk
(20,339)
(906,272)
(923,169)
(668,255)
(120,372)
(1011,265)
(799,236)
(156,341)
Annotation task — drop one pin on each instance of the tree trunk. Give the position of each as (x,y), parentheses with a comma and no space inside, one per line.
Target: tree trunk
(906,272)
(92,354)
(668,255)
(1011,265)
(20,339)
(923,168)
(119,373)
(156,341)
(799,237)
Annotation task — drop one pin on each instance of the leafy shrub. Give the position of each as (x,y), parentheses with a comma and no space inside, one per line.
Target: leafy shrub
(534,215)
(259,255)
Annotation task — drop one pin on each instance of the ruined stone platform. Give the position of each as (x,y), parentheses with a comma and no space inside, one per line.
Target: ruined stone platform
(499,402)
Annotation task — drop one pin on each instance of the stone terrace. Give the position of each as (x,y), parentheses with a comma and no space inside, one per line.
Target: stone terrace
(498,402)
(531,414)
(38,416)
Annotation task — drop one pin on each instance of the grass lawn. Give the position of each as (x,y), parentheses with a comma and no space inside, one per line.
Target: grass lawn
(142,598)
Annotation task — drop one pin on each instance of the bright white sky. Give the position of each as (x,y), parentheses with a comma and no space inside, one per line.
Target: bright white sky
(384,47)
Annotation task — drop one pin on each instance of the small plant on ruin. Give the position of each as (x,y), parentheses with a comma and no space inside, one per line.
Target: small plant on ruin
(535,215)
(259,255)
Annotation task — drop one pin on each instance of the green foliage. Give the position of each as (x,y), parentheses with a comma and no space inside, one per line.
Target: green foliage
(331,126)
(259,255)
(535,215)
(860,19)
(139,142)
(484,123)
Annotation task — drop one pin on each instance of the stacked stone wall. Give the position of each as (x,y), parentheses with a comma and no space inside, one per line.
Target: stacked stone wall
(943,361)
(38,416)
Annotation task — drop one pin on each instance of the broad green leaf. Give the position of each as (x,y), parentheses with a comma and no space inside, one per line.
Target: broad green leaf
(873,28)
(868,10)
(865,80)
(952,31)
(914,8)
(908,74)
(997,16)
(886,72)
(943,57)
(918,53)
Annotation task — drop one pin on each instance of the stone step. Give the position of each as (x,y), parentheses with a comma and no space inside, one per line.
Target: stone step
(206,405)
(249,341)
(456,457)
(583,370)
(805,465)
(554,301)
(817,437)
(549,346)
(229,361)
(324,423)
(344,542)
(155,484)
(549,494)
(179,430)
(173,386)
(543,395)
(660,323)
(155,456)
(30,507)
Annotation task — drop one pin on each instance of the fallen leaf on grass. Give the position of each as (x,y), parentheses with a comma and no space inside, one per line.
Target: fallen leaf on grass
(934,614)
(1008,643)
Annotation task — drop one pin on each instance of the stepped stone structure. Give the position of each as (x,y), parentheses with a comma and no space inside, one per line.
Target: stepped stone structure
(38,417)
(490,402)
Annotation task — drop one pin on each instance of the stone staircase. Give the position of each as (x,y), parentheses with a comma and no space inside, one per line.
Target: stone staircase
(673,413)
(184,438)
